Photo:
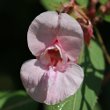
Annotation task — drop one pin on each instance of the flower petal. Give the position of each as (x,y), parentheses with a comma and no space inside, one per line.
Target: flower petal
(63,84)
(70,36)
(34,79)
(47,26)
(50,86)
(42,31)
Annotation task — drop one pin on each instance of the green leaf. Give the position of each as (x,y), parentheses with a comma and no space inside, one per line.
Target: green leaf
(53,4)
(83,3)
(107,17)
(96,56)
(103,1)
(63,105)
(86,97)
(16,101)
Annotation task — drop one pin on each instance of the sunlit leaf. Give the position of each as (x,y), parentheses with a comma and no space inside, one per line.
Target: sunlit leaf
(96,56)
(103,1)
(53,4)
(107,17)
(83,3)
(16,101)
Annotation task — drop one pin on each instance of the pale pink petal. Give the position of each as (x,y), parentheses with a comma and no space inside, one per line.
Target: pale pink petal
(48,26)
(63,84)
(42,31)
(35,79)
(49,86)
(70,36)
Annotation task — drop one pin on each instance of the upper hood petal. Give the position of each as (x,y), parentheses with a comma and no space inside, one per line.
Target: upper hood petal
(70,36)
(49,26)
(42,31)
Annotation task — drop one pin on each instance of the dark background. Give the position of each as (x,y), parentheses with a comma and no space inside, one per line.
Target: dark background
(15,18)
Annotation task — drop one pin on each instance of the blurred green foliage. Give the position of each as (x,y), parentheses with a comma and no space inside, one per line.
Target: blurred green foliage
(83,3)
(16,101)
(107,17)
(53,4)
(103,1)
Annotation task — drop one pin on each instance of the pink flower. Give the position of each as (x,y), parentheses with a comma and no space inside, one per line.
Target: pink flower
(56,41)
